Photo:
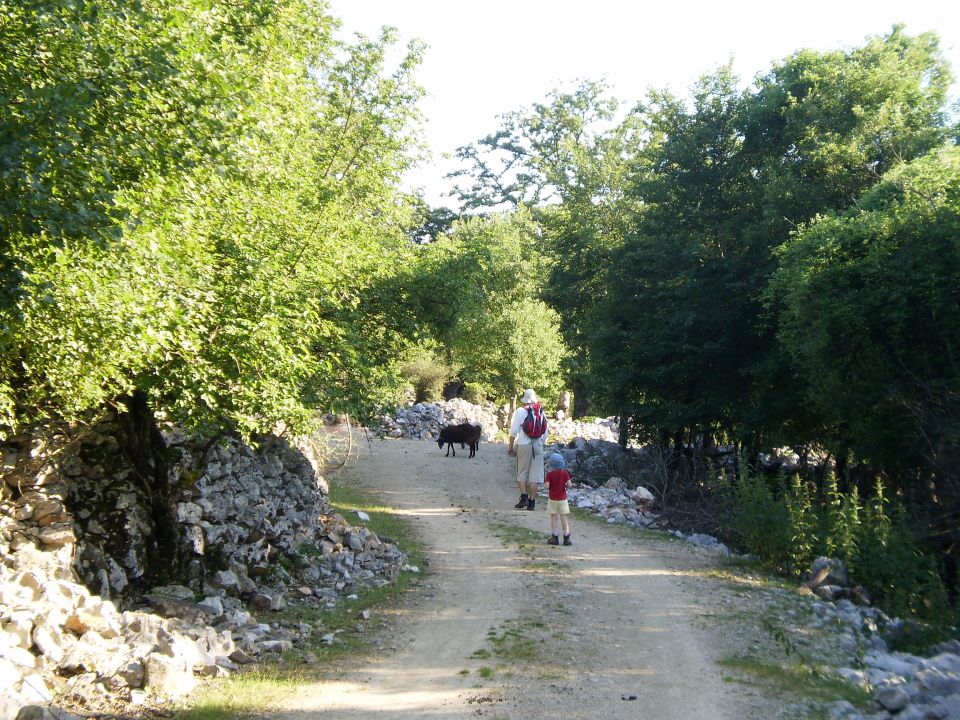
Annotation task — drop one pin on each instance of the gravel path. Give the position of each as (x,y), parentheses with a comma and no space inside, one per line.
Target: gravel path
(616,626)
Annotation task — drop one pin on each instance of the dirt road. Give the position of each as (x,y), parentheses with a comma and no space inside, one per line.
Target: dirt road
(616,626)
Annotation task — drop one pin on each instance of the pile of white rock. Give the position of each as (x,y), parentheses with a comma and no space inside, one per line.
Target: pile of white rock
(565,430)
(422,421)
(615,503)
(257,534)
(904,686)
(59,640)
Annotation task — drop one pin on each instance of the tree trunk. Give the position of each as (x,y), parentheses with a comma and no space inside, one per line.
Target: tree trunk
(843,468)
(623,431)
(580,399)
(146,449)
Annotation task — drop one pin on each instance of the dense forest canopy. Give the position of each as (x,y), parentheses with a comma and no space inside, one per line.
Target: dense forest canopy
(764,266)
(202,216)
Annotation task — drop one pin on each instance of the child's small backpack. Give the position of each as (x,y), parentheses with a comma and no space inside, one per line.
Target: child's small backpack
(535,424)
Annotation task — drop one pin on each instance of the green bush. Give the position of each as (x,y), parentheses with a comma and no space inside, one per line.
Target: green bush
(802,525)
(427,375)
(892,566)
(477,393)
(840,522)
(760,522)
(783,526)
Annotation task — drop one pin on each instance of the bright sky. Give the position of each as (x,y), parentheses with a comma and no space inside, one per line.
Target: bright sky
(489,57)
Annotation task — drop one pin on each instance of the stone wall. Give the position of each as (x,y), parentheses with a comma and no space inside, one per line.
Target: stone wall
(422,421)
(78,619)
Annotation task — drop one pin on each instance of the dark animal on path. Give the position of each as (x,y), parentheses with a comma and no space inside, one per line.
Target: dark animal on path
(464,433)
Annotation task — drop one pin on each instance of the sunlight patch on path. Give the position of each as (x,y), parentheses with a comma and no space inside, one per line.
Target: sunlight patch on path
(346,696)
(636,572)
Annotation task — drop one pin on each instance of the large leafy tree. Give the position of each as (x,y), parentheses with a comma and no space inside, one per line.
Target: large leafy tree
(476,291)
(823,127)
(871,317)
(719,186)
(199,206)
(183,187)
(566,160)
(669,332)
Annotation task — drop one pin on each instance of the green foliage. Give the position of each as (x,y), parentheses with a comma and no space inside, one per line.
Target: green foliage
(670,336)
(200,203)
(476,292)
(568,161)
(683,339)
(841,521)
(892,565)
(760,520)
(478,393)
(802,525)
(787,529)
(427,375)
(870,315)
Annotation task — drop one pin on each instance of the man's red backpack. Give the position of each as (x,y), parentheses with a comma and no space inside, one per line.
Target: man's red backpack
(535,424)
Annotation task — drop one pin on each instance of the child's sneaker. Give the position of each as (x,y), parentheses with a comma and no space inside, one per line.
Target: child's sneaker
(554,540)
(566,540)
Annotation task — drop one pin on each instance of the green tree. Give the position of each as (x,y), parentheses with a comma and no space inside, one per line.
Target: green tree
(666,339)
(198,210)
(684,339)
(266,200)
(566,159)
(476,292)
(870,316)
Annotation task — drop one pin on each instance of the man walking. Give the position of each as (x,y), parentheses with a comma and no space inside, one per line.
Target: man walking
(528,432)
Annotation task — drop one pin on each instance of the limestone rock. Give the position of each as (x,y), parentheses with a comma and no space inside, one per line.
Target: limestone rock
(169,676)
(57,534)
(254,507)
(893,699)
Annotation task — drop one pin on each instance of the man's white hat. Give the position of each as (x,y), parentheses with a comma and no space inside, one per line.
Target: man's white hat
(529,396)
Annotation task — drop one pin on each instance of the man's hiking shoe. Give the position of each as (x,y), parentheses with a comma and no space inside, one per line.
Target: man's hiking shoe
(522,503)
(554,540)
(530,503)
(566,540)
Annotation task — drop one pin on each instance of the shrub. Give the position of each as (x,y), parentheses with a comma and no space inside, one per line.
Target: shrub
(760,522)
(892,566)
(427,375)
(883,554)
(477,393)
(840,522)
(802,525)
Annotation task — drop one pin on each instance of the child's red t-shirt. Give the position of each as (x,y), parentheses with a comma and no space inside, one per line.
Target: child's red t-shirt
(556,480)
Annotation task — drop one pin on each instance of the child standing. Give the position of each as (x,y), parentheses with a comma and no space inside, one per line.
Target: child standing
(558,480)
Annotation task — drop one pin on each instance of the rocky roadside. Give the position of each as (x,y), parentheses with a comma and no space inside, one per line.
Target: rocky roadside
(856,649)
(81,633)
(857,638)
(902,685)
